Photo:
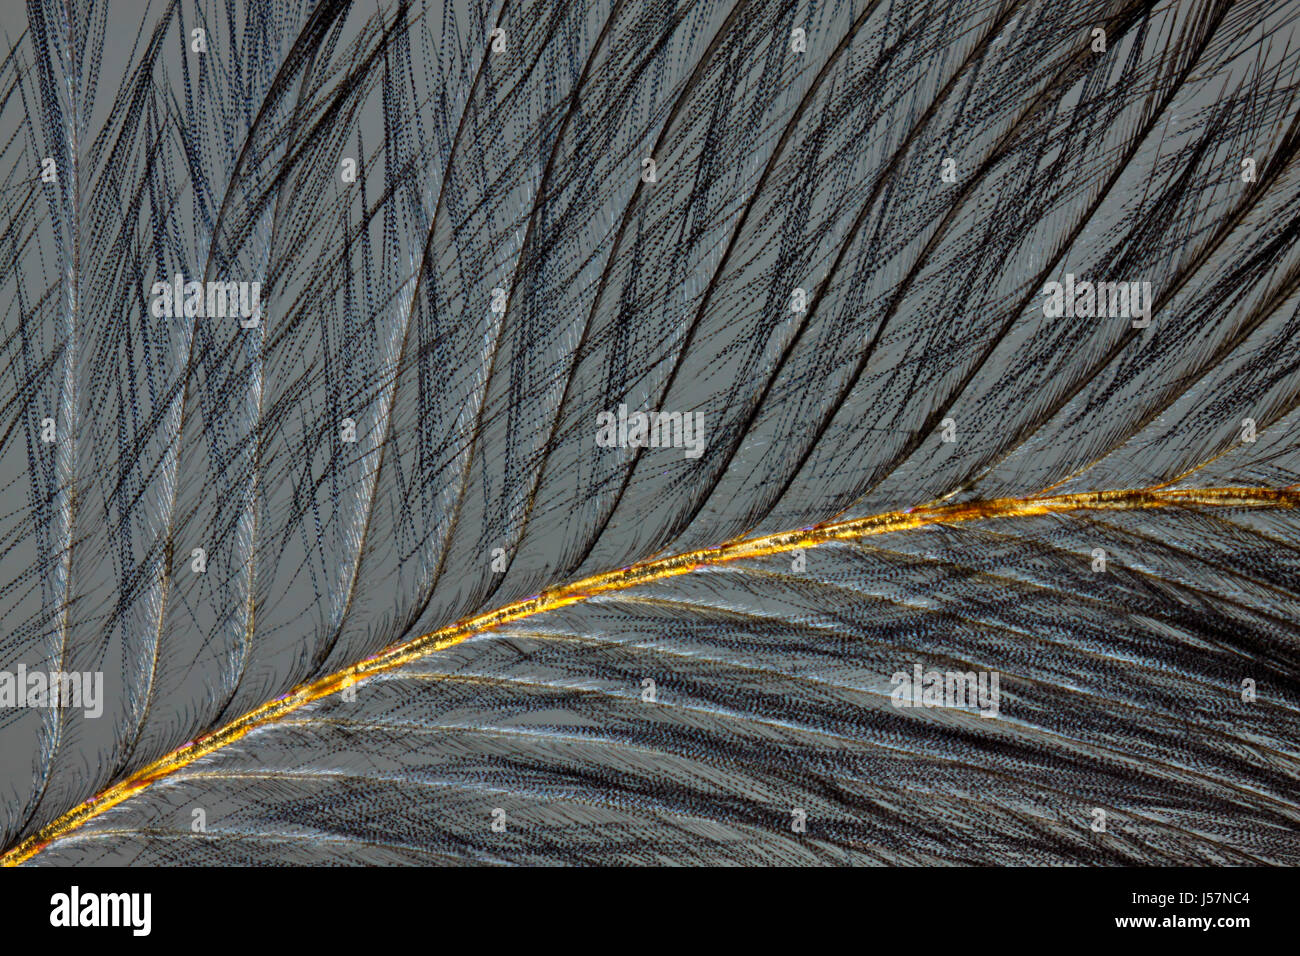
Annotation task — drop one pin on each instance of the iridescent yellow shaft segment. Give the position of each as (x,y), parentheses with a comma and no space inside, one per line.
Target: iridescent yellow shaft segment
(642,573)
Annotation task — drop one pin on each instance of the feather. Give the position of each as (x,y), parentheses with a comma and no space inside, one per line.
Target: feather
(820,239)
